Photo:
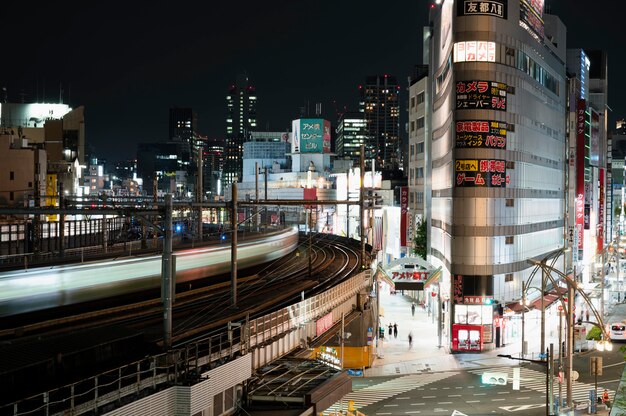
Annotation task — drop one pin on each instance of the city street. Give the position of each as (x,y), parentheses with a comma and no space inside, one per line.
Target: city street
(427,380)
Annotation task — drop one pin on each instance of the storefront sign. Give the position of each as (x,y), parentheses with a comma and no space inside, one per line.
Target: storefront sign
(487,95)
(404,208)
(531,17)
(409,276)
(482,8)
(481,134)
(600,226)
(490,173)
(474,51)
(457,289)
(477,300)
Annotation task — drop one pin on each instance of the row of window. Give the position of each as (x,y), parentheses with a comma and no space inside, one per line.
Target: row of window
(417,99)
(417,148)
(417,124)
(416,198)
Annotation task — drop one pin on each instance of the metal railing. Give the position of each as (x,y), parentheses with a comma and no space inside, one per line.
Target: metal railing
(114,388)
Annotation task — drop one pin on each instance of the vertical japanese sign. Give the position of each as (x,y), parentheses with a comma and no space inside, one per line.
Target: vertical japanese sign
(457,289)
(580,172)
(600,228)
(404,207)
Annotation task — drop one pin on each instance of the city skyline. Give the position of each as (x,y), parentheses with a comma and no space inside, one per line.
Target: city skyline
(129,68)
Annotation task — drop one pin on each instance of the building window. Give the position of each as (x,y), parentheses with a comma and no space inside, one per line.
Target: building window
(420,123)
(420,97)
(419,172)
(30,184)
(11,196)
(412,102)
(11,175)
(510,164)
(412,151)
(420,147)
(420,197)
(412,126)
(508,277)
(510,202)
(508,239)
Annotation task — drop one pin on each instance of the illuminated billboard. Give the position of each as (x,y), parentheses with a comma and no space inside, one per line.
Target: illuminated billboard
(484,134)
(31,115)
(310,135)
(489,173)
(474,51)
(476,95)
(531,17)
(494,8)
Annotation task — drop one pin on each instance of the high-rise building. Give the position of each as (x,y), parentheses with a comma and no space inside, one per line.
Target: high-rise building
(241,104)
(498,156)
(213,166)
(351,134)
(380,105)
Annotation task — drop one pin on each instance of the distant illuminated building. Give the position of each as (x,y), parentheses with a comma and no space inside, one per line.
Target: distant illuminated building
(379,103)
(351,134)
(241,104)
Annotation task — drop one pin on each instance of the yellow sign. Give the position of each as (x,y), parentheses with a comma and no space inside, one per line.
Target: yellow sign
(465,165)
(51,199)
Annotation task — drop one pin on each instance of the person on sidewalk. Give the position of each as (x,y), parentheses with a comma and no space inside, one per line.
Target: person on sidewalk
(390,330)
(410,339)
(587,315)
(413,309)
(605,398)
(395,330)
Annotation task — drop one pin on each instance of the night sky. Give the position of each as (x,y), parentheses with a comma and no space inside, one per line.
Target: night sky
(129,62)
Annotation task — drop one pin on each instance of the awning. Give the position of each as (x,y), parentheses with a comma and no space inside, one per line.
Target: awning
(549,298)
(434,276)
(383,276)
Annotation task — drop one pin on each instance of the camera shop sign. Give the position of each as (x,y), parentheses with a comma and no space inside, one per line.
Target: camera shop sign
(482,134)
(481,95)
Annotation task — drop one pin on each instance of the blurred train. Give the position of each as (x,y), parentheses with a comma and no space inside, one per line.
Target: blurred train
(46,287)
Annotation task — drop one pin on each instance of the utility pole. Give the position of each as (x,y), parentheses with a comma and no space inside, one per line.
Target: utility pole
(233,247)
(570,342)
(348,206)
(166,270)
(523,319)
(362,206)
(543,310)
(200,196)
(256,195)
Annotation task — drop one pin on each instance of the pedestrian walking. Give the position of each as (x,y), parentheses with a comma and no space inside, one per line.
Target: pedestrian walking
(587,315)
(395,330)
(413,309)
(410,339)
(390,329)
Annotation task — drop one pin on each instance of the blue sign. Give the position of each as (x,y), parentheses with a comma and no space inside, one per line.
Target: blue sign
(355,373)
(592,399)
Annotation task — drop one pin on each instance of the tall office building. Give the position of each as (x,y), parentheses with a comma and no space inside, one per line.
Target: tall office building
(241,104)
(379,103)
(351,134)
(213,167)
(498,156)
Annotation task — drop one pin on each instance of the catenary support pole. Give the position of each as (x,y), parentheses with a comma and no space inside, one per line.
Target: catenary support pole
(166,271)
(233,248)
(570,342)
(362,205)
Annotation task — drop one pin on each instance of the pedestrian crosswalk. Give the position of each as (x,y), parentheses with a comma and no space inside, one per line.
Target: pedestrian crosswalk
(536,380)
(385,390)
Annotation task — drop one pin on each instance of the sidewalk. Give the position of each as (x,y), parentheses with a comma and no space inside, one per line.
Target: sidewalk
(395,357)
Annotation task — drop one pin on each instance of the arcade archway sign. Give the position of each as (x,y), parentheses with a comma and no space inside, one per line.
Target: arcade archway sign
(409,273)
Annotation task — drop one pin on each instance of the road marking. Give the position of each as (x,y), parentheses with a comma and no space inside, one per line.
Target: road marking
(522,407)
(434,388)
(470,387)
(444,403)
(473,401)
(480,394)
(428,397)
(523,398)
(418,404)
(458,388)
(402,398)
(498,400)
(503,392)
(612,365)
(413,412)
(451,395)
(390,405)
(383,413)
(446,388)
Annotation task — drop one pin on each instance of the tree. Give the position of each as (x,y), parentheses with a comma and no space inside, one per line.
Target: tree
(419,241)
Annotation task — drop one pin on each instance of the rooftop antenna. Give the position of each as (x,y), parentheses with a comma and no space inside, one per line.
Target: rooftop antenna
(60,92)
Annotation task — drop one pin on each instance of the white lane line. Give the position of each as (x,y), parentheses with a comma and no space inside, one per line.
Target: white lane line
(412,412)
(402,398)
(522,398)
(472,401)
(444,403)
(503,392)
(390,405)
(480,394)
(454,395)
(428,397)
(498,400)
(418,404)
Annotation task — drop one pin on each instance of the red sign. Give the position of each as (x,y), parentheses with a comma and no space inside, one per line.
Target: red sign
(404,208)
(458,289)
(580,171)
(410,276)
(600,229)
(323,324)
(310,194)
